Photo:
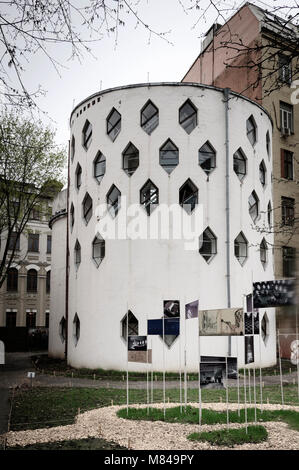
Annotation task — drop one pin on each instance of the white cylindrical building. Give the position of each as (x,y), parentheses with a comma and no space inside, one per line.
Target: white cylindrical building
(168,143)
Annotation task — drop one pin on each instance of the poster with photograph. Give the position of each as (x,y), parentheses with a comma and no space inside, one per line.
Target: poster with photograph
(191,310)
(171,308)
(248,322)
(171,326)
(232,364)
(144,357)
(249,303)
(274,293)
(224,322)
(137,343)
(249,349)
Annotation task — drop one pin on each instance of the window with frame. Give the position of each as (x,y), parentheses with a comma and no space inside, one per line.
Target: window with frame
(49,244)
(11,319)
(241,248)
(77,254)
(288,261)
(269,213)
(48,282)
(169,156)
(149,117)
(149,196)
(285,68)
(113,124)
(265,327)
(78,176)
(268,144)
(251,130)
(262,173)
(87,208)
(30,319)
(14,241)
(286,118)
(208,245)
(188,116)
(130,157)
(12,280)
(129,325)
(287,211)
(287,164)
(114,200)
(263,252)
(207,158)
(87,135)
(188,196)
(33,242)
(98,250)
(47,320)
(32,280)
(62,329)
(99,167)
(253,206)
(240,164)
(72,216)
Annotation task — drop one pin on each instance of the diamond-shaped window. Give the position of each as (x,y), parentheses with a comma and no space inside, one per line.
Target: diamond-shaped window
(130,159)
(188,196)
(149,117)
(113,200)
(113,124)
(188,116)
(149,196)
(169,156)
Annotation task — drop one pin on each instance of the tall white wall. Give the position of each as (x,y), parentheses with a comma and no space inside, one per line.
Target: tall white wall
(139,274)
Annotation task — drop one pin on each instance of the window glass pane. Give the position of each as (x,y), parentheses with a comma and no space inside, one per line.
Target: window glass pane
(130,159)
(169,156)
(207,158)
(188,117)
(149,117)
(149,196)
(99,167)
(113,124)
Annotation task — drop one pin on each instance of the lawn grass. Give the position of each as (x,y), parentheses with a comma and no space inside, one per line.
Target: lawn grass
(90,443)
(40,407)
(210,417)
(231,437)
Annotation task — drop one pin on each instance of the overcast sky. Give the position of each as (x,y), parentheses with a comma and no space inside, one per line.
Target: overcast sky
(134,59)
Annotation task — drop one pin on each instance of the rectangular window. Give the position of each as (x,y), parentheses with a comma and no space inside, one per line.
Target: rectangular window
(287,164)
(30,319)
(286,118)
(287,210)
(288,261)
(285,68)
(47,322)
(14,241)
(49,243)
(11,319)
(33,242)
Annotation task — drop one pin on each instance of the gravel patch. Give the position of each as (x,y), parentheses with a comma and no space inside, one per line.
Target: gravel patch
(148,435)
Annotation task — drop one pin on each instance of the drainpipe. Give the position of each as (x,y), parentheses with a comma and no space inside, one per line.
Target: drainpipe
(226,92)
(67,258)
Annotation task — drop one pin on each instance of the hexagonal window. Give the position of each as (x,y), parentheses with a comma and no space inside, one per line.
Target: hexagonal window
(129,326)
(149,117)
(76,329)
(149,196)
(72,148)
(87,135)
(98,250)
(208,245)
(188,196)
(269,213)
(188,116)
(253,206)
(207,158)
(169,156)
(87,208)
(262,173)
(113,200)
(130,159)
(263,252)
(113,124)
(77,254)
(99,167)
(241,248)
(72,216)
(268,143)
(78,176)
(240,164)
(265,327)
(62,329)
(251,130)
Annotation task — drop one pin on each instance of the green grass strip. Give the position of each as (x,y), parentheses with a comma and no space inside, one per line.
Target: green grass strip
(231,437)
(211,417)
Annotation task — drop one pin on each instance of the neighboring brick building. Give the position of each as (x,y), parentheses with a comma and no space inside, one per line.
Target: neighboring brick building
(253,36)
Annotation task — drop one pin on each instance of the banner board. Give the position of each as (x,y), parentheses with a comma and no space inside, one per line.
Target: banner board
(223,322)
(140,356)
(191,310)
(274,293)
(137,343)
(171,326)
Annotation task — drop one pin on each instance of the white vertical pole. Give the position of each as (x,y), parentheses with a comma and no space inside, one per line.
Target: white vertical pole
(254,391)
(185,365)
(280,369)
(152,396)
(261,383)
(238,377)
(245,406)
(199,387)
(180,363)
(227,412)
(249,387)
(147,388)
